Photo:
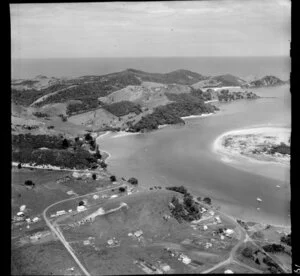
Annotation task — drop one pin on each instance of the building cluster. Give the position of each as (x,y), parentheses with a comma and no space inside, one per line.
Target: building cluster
(180,257)
(22,216)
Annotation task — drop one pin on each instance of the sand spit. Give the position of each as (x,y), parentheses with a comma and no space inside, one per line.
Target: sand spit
(197,116)
(242,142)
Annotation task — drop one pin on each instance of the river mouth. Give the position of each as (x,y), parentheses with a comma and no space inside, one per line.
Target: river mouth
(184,155)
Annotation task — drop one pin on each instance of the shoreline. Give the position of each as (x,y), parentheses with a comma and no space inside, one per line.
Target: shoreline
(226,153)
(101,150)
(197,116)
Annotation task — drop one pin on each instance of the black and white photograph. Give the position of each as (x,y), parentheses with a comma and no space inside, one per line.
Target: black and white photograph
(151,137)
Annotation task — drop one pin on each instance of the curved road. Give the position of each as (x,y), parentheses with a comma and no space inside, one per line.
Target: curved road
(60,235)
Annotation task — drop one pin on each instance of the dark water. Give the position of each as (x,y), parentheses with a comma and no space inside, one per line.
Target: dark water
(243,67)
(183,155)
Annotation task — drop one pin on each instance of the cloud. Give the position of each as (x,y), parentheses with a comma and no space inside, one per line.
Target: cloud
(78,29)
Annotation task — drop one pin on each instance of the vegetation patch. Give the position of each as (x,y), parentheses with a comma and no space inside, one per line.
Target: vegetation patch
(123,108)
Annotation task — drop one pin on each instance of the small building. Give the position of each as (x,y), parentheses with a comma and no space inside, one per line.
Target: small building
(185,259)
(228,271)
(205,227)
(70,211)
(211,212)
(208,245)
(62,212)
(95,196)
(20,214)
(114,196)
(222,237)
(86,242)
(165,267)
(228,232)
(36,219)
(28,220)
(22,208)
(218,220)
(81,208)
(138,233)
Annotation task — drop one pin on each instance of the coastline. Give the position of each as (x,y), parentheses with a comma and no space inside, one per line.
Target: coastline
(281,134)
(197,116)
(106,152)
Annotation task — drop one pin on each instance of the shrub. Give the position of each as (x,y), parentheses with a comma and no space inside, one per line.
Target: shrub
(122,189)
(207,200)
(247,252)
(113,178)
(103,165)
(273,248)
(29,183)
(88,137)
(180,189)
(133,181)
(50,127)
(286,239)
(40,114)
(65,144)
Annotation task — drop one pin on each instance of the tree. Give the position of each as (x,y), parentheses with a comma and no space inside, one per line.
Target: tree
(81,203)
(133,181)
(65,144)
(88,137)
(247,252)
(122,189)
(207,200)
(286,239)
(103,165)
(94,176)
(19,166)
(29,183)
(113,178)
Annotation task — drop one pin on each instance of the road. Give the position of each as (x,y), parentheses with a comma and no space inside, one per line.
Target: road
(58,233)
(242,235)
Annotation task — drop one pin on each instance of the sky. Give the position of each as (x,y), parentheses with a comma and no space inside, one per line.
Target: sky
(151,29)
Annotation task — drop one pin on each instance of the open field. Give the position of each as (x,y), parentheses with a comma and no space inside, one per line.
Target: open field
(161,240)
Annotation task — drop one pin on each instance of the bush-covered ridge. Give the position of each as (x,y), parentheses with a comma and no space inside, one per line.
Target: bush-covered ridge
(122,108)
(183,105)
(52,150)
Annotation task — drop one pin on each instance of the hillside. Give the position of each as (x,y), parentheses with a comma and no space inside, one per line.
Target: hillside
(130,99)
(267,81)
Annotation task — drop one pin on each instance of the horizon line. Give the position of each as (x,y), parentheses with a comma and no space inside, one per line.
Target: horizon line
(39,58)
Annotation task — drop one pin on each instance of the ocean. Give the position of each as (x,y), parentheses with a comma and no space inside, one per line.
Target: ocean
(243,67)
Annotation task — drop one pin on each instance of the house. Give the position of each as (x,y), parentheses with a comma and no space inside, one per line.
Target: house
(20,214)
(211,213)
(228,271)
(185,259)
(228,232)
(95,196)
(86,242)
(138,233)
(114,196)
(36,219)
(165,267)
(218,220)
(205,227)
(81,208)
(208,245)
(59,213)
(22,208)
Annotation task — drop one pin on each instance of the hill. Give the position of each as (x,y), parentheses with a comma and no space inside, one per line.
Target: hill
(267,81)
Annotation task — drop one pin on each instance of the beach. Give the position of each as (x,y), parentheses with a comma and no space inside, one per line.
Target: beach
(252,144)
(196,116)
